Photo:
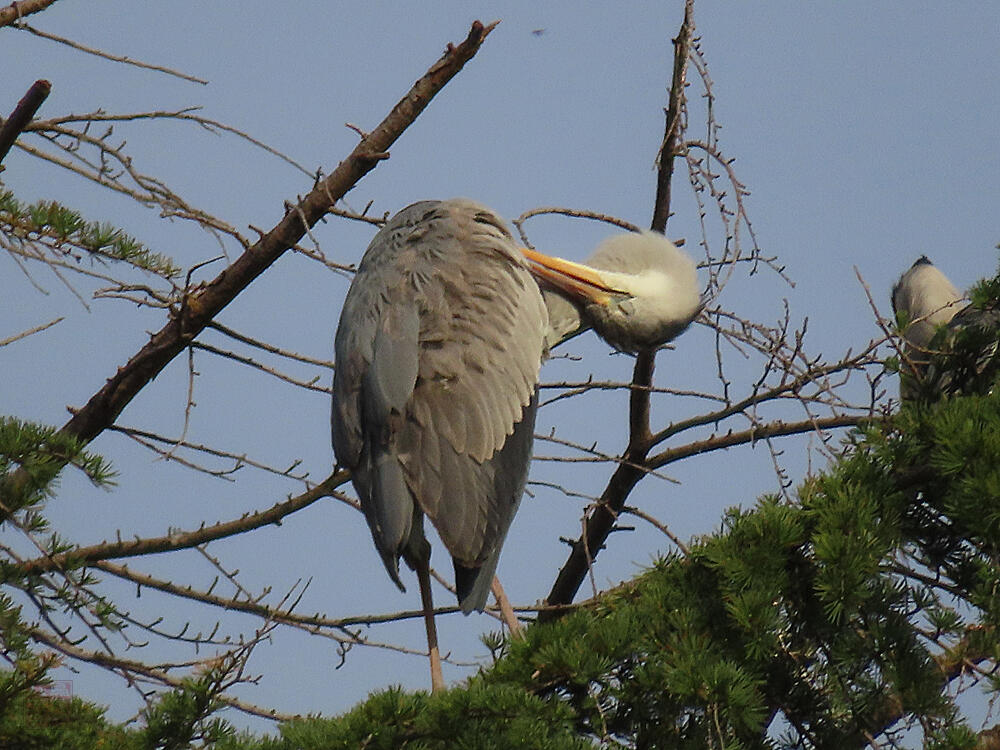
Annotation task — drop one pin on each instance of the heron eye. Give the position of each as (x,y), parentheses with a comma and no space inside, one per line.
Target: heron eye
(627,306)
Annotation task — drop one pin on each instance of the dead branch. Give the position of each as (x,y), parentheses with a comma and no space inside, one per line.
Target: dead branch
(131,669)
(572,389)
(18,10)
(749,436)
(148,440)
(309,385)
(592,452)
(182,115)
(677,102)
(22,113)
(102,53)
(633,511)
(30,332)
(205,303)
(573,212)
(315,624)
(243,338)
(183,539)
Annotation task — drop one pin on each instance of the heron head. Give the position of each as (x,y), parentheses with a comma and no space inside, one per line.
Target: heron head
(637,290)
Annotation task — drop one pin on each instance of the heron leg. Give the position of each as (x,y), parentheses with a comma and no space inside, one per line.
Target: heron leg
(424,581)
(506,611)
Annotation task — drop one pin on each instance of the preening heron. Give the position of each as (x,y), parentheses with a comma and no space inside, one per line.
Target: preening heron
(438,351)
(637,291)
(925,302)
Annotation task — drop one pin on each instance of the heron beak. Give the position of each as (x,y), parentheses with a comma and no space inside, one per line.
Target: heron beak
(575,279)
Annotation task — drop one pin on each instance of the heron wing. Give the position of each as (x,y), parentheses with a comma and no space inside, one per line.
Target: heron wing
(438,353)
(376,351)
(482,326)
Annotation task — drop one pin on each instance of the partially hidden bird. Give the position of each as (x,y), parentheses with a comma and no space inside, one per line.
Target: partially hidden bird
(438,350)
(937,321)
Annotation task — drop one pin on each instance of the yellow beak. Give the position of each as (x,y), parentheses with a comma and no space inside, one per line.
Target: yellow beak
(574,278)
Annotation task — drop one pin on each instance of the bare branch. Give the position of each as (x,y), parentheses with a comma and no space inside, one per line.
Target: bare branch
(183,115)
(184,539)
(669,148)
(105,55)
(631,510)
(22,113)
(243,360)
(133,668)
(206,302)
(18,10)
(777,428)
(243,338)
(148,439)
(29,332)
(377,221)
(573,212)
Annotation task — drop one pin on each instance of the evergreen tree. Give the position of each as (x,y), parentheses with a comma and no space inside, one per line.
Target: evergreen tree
(845,619)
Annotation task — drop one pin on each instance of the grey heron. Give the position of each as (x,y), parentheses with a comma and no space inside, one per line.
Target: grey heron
(927,300)
(935,318)
(438,350)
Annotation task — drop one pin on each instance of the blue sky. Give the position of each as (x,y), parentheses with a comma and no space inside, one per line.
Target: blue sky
(866,133)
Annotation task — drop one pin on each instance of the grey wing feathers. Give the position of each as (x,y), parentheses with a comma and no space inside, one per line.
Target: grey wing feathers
(481,346)
(509,470)
(456,402)
(376,352)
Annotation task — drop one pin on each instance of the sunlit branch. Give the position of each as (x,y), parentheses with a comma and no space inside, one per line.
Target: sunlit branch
(16,11)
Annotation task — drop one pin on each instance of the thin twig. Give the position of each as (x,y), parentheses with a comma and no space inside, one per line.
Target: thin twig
(577,213)
(29,332)
(107,55)
(184,539)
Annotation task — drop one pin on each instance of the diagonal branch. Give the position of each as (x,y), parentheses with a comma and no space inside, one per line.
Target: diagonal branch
(183,539)
(109,56)
(777,428)
(203,304)
(18,10)
(11,128)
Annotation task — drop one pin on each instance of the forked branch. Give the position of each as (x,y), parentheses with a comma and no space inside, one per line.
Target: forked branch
(597,525)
